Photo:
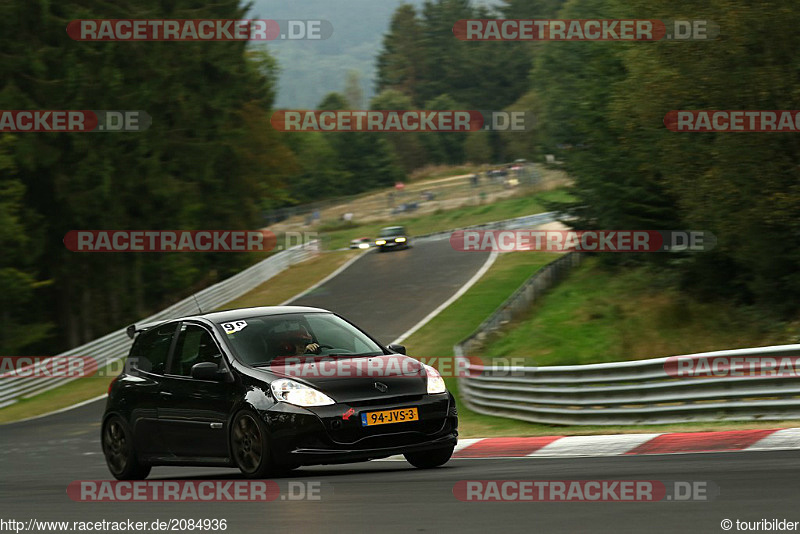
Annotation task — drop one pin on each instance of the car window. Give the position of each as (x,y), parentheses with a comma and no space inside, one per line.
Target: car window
(259,340)
(394,230)
(150,351)
(195,345)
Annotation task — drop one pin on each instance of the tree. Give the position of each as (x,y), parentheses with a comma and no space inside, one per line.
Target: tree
(401,61)
(408,149)
(353,93)
(576,83)
(206,161)
(365,159)
(443,147)
(21,315)
(743,187)
(477,148)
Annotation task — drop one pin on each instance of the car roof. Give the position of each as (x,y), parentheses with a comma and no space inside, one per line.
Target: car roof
(228,315)
(244,313)
(393,228)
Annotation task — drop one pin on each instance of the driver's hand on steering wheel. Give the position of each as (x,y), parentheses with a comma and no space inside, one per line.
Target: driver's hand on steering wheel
(312,348)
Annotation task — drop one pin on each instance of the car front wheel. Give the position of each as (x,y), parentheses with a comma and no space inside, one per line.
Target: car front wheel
(119,452)
(250,446)
(429,459)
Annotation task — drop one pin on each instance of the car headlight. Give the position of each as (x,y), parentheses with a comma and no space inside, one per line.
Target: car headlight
(299,394)
(435,380)
(380,242)
(400,239)
(363,245)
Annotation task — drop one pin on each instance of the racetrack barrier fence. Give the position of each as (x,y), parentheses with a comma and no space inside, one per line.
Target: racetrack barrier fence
(623,393)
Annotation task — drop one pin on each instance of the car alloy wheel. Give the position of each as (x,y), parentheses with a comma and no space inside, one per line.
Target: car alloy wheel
(119,452)
(249,446)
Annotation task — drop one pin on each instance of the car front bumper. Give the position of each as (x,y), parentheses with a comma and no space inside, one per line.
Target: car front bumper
(299,436)
(392,244)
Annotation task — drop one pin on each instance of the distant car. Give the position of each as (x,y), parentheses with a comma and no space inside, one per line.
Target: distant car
(405,207)
(216,389)
(361,242)
(393,237)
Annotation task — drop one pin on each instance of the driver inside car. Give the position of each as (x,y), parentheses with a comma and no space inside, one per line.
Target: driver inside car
(298,342)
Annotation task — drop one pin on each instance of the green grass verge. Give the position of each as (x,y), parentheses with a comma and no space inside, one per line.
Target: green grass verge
(460,319)
(592,311)
(339,235)
(599,315)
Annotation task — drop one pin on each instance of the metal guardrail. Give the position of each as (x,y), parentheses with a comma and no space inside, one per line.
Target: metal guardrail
(115,346)
(507,224)
(619,393)
(520,300)
(636,392)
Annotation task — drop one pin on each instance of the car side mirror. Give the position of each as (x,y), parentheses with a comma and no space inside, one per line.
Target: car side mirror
(399,349)
(207,371)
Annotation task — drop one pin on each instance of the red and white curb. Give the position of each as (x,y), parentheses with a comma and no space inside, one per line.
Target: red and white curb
(628,444)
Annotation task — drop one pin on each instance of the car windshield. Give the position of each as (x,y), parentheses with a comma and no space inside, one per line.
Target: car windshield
(257,341)
(394,230)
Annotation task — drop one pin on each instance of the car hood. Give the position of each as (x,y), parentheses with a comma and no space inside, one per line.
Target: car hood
(364,378)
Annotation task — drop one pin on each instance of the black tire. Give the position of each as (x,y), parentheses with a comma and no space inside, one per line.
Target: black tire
(429,459)
(119,451)
(250,448)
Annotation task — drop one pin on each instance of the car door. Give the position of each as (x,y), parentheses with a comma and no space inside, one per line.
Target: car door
(193,414)
(148,361)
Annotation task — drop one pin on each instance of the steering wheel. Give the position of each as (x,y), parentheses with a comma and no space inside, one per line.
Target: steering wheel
(321,347)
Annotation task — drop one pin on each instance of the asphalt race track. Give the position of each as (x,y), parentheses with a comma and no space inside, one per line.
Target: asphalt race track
(387,294)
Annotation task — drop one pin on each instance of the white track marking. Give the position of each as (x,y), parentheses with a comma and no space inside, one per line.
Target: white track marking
(788,438)
(611,445)
(78,405)
(471,282)
(344,266)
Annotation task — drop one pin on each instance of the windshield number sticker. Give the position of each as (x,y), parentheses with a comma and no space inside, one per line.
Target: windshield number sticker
(235,326)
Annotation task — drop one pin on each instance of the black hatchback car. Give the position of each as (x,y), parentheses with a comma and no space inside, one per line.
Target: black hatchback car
(393,237)
(270,389)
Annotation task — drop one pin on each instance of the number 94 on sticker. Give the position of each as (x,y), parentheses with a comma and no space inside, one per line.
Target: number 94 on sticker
(234,326)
